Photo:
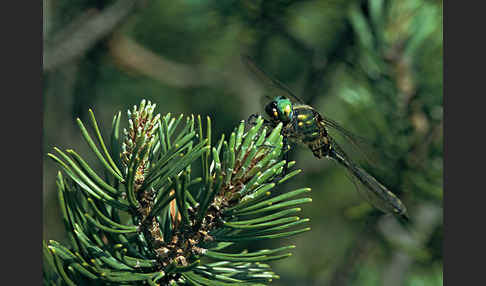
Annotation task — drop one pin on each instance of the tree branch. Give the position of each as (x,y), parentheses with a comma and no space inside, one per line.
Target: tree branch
(71,45)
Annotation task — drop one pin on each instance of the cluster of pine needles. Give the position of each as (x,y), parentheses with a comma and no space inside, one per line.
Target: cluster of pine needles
(147,220)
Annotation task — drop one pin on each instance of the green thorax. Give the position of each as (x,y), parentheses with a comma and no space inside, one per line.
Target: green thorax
(306,125)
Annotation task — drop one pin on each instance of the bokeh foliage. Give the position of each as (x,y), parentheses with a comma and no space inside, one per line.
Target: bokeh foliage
(373,66)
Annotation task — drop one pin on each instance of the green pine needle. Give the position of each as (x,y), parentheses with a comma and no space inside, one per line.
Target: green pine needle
(154,222)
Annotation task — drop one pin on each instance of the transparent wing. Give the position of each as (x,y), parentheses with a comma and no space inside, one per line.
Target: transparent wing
(353,138)
(361,144)
(273,86)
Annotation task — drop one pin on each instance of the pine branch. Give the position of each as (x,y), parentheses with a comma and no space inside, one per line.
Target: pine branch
(150,221)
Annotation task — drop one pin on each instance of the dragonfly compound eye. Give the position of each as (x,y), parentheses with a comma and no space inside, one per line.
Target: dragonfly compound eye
(271,110)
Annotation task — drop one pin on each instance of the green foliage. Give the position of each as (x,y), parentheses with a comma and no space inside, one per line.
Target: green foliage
(390,76)
(374,66)
(149,220)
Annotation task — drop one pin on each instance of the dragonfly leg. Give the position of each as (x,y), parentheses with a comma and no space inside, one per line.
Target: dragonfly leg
(252,118)
(251,121)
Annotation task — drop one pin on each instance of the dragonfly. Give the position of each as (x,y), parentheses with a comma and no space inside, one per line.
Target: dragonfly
(304,125)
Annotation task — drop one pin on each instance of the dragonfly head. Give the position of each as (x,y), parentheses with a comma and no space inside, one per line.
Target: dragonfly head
(280,109)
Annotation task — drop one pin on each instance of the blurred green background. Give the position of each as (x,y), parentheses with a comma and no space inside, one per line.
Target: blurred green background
(373,66)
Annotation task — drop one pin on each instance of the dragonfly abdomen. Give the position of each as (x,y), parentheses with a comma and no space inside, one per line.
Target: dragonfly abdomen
(378,195)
